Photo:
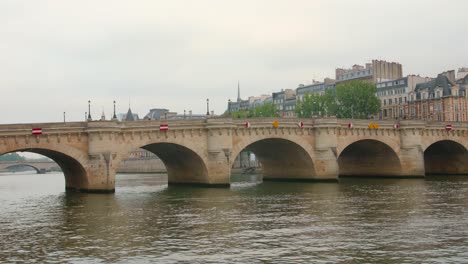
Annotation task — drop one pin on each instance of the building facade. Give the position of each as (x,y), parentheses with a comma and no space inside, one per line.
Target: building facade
(285,102)
(394,94)
(314,88)
(375,72)
(442,99)
(244,105)
(462,73)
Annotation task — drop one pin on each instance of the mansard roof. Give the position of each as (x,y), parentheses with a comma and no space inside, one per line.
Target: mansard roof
(441,81)
(463,80)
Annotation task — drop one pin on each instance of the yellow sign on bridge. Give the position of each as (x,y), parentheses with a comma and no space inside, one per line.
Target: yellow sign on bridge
(373,126)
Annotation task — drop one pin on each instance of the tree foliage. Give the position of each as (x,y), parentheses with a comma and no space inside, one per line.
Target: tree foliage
(354,99)
(312,104)
(264,110)
(357,99)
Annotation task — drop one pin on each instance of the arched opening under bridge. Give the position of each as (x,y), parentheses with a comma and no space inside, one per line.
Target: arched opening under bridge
(75,175)
(281,159)
(369,158)
(446,157)
(181,164)
(24,167)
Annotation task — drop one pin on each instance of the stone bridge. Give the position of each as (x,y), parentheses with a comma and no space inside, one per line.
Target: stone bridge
(203,151)
(39,166)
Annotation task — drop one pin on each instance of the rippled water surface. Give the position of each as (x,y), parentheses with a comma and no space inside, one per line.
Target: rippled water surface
(353,221)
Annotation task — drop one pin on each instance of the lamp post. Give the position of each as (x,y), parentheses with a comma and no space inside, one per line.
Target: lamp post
(207,106)
(64,117)
(115,116)
(229,106)
(184,113)
(85,116)
(89,110)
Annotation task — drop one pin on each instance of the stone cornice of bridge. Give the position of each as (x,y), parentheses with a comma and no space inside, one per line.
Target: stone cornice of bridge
(48,128)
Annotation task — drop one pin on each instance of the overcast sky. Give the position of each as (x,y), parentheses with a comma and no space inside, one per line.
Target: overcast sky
(55,55)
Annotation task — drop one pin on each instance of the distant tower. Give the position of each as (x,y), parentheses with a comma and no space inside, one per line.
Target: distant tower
(238,92)
(129,116)
(103,116)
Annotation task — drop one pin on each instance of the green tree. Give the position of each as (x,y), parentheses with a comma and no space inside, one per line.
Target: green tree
(356,99)
(264,110)
(311,105)
(11,157)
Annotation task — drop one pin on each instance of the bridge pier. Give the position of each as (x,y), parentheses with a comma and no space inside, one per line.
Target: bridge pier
(411,152)
(219,148)
(326,164)
(98,175)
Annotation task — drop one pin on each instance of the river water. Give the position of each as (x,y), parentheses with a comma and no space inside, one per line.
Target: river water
(353,221)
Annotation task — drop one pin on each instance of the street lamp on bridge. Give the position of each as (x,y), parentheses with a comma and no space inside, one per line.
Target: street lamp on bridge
(207,106)
(114,117)
(89,110)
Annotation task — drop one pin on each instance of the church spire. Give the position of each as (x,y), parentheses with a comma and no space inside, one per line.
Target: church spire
(103,116)
(129,116)
(238,92)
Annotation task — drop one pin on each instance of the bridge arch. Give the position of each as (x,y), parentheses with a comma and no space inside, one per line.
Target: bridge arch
(280,158)
(69,160)
(24,165)
(446,157)
(183,163)
(369,157)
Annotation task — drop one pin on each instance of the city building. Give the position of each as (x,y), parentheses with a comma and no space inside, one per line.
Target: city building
(314,87)
(442,99)
(255,101)
(462,73)
(129,116)
(165,114)
(250,103)
(285,102)
(158,114)
(142,154)
(393,96)
(375,72)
